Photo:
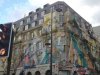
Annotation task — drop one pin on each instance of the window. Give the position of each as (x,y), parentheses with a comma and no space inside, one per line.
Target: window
(32,35)
(31,18)
(35,17)
(28,35)
(77,19)
(38,15)
(40,32)
(42,14)
(29,26)
(28,20)
(24,49)
(61,40)
(58,41)
(48,29)
(33,24)
(14,39)
(47,11)
(49,41)
(30,47)
(82,24)
(14,25)
(56,17)
(35,33)
(36,23)
(40,21)
(61,19)
(21,23)
(39,45)
(19,38)
(25,37)
(26,27)
(23,28)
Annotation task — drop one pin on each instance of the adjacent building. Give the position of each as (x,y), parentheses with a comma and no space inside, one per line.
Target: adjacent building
(74,44)
(97,31)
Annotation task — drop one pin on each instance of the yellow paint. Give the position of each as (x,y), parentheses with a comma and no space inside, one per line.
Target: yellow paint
(79,61)
(4,59)
(47,19)
(71,52)
(35,33)
(58,34)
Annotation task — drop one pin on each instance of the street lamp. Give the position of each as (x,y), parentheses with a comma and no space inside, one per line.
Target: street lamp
(51,41)
(58,10)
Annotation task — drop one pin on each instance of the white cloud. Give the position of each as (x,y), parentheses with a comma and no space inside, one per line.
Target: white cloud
(91,2)
(73,3)
(40,3)
(96,17)
(93,11)
(88,12)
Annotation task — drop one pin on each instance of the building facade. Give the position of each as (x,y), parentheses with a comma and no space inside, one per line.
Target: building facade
(97,31)
(74,44)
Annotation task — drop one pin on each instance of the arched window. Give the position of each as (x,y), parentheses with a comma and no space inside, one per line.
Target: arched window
(37,73)
(75,73)
(47,72)
(29,73)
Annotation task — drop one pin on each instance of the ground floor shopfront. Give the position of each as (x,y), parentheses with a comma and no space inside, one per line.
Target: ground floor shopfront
(44,70)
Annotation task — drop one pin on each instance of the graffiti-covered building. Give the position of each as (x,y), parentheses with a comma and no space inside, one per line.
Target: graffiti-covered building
(74,44)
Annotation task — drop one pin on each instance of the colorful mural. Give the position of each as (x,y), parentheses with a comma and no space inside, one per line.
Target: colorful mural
(71,44)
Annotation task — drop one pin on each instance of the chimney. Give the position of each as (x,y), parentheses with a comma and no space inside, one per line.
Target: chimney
(38,9)
(46,5)
(30,13)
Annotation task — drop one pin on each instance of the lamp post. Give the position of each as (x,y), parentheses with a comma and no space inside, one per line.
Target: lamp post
(59,10)
(51,41)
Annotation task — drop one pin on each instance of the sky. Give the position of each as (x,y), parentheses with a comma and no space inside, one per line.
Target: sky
(13,10)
